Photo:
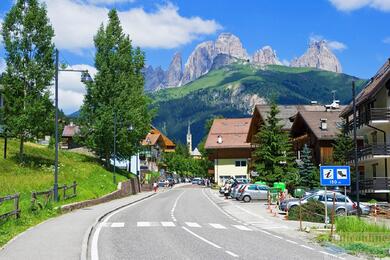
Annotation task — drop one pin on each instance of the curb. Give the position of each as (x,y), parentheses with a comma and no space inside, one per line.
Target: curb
(91,229)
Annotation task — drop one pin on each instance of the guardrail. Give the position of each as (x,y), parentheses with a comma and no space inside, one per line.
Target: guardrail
(16,211)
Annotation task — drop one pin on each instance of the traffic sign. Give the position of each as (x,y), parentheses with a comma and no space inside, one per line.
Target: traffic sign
(335,176)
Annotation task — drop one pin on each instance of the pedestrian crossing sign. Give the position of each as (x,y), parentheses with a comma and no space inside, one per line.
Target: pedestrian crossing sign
(335,176)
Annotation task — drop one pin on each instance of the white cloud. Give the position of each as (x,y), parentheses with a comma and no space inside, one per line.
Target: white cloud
(286,62)
(2,65)
(351,5)
(164,28)
(337,46)
(71,90)
(333,45)
(109,2)
(386,40)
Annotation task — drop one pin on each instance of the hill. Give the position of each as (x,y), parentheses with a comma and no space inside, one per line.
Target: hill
(36,174)
(233,90)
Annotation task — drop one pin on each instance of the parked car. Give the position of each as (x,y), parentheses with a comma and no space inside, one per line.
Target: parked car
(342,203)
(161,183)
(195,180)
(235,191)
(253,192)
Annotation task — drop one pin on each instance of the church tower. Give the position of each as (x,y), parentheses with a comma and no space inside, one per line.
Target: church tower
(189,138)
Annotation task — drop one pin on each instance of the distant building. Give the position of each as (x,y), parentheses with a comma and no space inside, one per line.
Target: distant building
(373,123)
(194,153)
(155,143)
(228,148)
(68,134)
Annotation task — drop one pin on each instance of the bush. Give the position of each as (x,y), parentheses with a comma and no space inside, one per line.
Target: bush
(312,211)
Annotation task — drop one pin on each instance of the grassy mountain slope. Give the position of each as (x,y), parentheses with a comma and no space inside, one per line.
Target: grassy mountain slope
(230,90)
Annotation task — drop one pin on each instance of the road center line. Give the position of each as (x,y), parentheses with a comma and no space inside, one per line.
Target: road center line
(202,238)
(174,207)
(231,253)
(292,242)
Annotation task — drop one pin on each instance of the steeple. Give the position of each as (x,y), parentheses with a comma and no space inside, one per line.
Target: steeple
(189,138)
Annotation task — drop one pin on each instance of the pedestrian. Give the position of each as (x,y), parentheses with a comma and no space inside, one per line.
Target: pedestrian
(227,190)
(155,186)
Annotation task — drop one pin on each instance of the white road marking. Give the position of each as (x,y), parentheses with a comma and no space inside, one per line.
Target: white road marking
(292,242)
(217,226)
(265,232)
(167,224)
(192,224)
(231,253)
(201,238)
(240,227)
(144,224)
(118,224)
(329,254)
(174,207)
(307,247)
(277,236)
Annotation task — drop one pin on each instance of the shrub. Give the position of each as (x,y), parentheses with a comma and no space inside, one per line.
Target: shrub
(312,211)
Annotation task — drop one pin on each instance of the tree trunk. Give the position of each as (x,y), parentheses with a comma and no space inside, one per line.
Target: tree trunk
(107,156)
(21,148)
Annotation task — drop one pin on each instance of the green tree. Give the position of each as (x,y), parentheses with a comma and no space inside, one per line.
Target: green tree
(117,89)
(343,147)
(309,176)
(28,42)
(273,158)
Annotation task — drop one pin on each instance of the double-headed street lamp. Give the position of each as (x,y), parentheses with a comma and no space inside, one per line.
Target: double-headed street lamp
(85,77)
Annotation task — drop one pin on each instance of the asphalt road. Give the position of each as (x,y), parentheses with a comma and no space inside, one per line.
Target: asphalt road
(185,223)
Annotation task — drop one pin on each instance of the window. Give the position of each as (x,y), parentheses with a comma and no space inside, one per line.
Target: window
(241,163)
(374,136)
(374,166)
(252,187)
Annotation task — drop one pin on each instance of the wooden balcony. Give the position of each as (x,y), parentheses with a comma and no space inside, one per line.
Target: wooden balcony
(374,152)
(375,185)
(372,116)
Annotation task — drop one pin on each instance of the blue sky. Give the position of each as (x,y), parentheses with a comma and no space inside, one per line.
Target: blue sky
(358,30)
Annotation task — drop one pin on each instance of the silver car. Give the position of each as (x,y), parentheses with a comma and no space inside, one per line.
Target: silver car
(254,192)
(343,204)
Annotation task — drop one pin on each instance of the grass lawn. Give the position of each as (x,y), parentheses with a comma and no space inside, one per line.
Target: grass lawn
(36,174)
(359,237)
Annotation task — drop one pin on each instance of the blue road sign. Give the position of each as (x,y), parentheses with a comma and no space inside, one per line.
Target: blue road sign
(335,176)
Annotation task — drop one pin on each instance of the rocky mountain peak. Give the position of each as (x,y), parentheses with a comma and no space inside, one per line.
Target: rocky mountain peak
(265,56)
(175,71)
(319,56)
(230,44)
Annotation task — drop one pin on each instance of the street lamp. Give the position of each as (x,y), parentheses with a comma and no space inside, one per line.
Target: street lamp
(85,77)
(356,149)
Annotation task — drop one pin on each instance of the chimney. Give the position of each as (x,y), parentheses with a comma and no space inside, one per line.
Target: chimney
(323,124)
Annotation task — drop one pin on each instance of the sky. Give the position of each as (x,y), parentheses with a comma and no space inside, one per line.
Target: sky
(357,31)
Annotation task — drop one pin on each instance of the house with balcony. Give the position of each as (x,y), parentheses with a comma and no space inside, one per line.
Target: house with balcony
(373,124)
(155,144)
(319,131)
(228,148)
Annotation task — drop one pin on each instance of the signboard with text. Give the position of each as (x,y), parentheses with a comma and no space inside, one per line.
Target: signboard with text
(335,176)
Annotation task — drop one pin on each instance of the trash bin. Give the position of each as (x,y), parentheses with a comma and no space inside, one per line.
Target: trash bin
(281,186)
(299,192)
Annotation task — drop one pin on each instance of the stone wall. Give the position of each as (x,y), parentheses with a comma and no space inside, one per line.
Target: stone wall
(124,189)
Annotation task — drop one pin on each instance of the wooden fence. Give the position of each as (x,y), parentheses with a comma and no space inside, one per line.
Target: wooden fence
(16,210)
(48,195)
(71,187)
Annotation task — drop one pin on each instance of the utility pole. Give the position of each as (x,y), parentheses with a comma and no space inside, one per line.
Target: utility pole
(356,149)
(55,188)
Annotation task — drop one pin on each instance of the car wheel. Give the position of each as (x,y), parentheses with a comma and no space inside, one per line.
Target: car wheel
(340,212)
(246,198)
(292,207)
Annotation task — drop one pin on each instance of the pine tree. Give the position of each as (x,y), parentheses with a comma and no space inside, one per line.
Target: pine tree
(118,88)
(273,158)
(28,42)
(307,170)
(343,147)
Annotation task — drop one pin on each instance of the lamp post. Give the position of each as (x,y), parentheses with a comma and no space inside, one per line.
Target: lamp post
(355,153)
(85,77)
(219,141)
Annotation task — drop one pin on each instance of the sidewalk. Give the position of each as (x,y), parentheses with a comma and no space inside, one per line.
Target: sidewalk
(62,237)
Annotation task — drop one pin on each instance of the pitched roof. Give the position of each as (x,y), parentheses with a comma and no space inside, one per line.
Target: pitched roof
(154,136)
(196,152)
(287,112)
(70,130)
(371,87)
(233,132)
(312,120)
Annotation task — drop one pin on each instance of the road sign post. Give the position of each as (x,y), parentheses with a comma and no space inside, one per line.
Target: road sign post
(331,176)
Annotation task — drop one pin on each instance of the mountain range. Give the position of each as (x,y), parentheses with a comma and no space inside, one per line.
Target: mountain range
(228,49)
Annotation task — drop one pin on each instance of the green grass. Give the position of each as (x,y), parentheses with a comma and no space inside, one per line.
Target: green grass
(36,174)
(359,237)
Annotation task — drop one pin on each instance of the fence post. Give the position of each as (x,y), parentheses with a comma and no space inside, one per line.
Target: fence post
(16,204)
(74,187)
(65,187)
(300,214)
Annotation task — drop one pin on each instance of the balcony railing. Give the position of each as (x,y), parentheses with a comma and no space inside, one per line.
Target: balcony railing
(373,114)
(374,150)
(376,184)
